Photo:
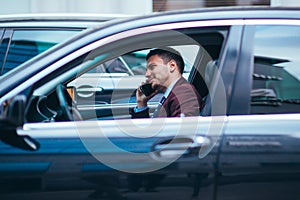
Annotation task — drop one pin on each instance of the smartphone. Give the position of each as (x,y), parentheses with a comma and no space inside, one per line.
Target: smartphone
(147,89)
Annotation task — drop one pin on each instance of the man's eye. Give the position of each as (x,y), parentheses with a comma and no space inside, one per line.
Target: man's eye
(151,67)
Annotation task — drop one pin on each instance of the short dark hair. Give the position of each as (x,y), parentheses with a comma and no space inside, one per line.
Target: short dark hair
(167,54)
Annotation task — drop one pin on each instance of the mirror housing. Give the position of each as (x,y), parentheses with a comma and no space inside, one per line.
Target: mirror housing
(14,119)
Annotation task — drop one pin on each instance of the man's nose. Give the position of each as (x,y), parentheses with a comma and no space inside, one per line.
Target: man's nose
(147,73)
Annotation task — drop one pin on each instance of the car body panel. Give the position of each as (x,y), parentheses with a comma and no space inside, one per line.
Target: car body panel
(267,161)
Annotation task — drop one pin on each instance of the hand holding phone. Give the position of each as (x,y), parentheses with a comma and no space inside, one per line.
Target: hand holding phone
(147,89)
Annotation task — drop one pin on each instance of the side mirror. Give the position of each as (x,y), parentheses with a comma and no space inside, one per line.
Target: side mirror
(13,120)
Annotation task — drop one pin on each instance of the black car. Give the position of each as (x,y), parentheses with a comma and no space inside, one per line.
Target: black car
(244,145)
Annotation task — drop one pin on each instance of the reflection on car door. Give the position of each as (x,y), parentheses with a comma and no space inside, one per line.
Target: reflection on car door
(92,159)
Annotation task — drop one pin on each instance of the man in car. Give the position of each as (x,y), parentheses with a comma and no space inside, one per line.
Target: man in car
(164,73)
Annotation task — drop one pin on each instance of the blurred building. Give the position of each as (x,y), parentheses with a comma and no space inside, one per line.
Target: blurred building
(163,5)
(76,6)
(125,6)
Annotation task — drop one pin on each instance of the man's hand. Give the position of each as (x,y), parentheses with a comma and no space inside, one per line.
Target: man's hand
(142,99)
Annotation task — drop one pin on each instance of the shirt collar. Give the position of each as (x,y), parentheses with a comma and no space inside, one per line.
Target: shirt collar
(169,89)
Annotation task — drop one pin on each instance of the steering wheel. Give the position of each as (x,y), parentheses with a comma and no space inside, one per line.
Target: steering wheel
(68,109)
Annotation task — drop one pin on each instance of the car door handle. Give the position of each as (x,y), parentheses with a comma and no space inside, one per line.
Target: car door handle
(88,91)
(174,147)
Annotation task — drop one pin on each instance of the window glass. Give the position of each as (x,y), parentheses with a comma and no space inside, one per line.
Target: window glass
(3,47)
(134,63)
(26,44)
(276,77)
(108,88)
(116,79)
(102,93)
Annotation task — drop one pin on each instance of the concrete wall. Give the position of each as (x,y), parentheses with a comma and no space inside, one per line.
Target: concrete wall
(76,6)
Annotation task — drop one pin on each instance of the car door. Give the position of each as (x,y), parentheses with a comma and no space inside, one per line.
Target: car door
(113,158)
(259,153)
(88,159)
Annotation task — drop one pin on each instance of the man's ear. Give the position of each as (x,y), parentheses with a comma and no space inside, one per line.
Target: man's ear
(172,65)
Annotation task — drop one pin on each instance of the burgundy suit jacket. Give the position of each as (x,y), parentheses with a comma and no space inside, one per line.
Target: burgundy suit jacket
(183,99)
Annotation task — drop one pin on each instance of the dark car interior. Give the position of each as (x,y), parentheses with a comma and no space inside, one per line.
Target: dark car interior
(274,89)
(19,52)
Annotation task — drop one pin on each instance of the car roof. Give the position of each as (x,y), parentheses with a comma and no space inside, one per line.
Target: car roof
(236,12)
(219,13)
(78,20)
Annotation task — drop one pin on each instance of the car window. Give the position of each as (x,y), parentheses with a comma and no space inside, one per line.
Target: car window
(3,48)
(134,63)
(26,44)
(276,77)
(100,94)
(118,78)
(116,65)
(109,86)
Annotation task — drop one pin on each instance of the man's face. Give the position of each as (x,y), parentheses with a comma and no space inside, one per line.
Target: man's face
(158,73)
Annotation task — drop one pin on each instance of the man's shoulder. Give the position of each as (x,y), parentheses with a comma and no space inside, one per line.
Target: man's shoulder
(182,83)
(182,80)
(184,88)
